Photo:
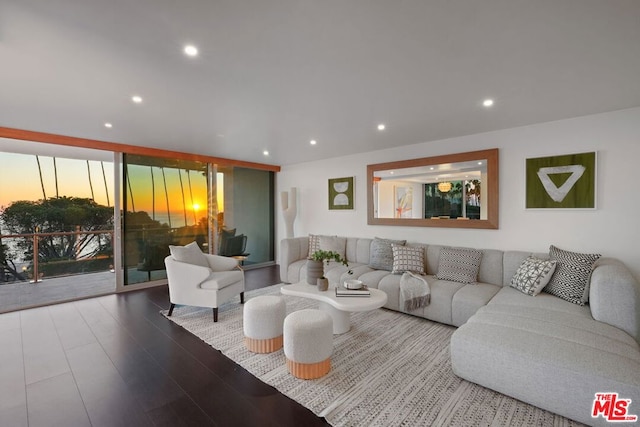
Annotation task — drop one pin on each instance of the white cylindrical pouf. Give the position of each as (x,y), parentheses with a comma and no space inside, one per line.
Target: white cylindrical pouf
(308,343)
(263,318)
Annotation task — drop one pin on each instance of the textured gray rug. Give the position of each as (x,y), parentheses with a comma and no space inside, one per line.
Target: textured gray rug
(390,369)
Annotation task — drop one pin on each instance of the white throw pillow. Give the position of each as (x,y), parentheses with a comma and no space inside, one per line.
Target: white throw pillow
(189,254)
(533,275)
(333,243)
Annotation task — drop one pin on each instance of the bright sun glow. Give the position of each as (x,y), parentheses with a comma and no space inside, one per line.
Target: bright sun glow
(196,207)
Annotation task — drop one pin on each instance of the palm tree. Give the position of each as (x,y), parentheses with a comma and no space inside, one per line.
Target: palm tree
(133,205)
(195,219)
(55,175)
(104,178)
(184,205)
(90,182)
(153,195)
(44,195)
(166,195)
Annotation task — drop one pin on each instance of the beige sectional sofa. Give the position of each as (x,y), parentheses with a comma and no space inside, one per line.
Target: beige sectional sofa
(542,350)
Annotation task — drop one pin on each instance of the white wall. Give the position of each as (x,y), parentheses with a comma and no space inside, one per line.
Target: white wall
(613,229)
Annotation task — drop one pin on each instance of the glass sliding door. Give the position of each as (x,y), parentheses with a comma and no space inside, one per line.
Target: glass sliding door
(56,224)
(245,215)
(164,203)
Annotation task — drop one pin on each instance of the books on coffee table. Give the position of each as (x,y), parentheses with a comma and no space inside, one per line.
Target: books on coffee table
(344,292)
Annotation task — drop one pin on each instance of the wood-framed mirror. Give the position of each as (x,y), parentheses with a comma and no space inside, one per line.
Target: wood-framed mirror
(453,191)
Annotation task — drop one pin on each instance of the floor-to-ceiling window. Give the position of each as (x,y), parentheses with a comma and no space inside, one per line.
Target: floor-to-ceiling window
(245,215)
(56,224)
(164,203)
(161,199)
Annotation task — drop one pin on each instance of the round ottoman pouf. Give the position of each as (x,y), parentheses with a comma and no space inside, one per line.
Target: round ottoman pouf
(308,343)
(262,323)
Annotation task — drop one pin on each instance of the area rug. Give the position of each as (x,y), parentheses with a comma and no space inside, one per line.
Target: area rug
(390,369)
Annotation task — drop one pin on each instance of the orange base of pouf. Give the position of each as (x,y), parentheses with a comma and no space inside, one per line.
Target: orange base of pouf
(263,346)
(309,371)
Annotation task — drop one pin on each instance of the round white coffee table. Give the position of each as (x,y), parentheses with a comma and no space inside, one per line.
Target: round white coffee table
(339,308)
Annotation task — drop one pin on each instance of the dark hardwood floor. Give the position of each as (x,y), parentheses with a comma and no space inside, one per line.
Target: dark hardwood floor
(115,361)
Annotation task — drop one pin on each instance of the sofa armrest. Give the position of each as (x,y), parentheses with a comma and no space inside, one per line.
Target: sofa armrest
(614,296)
(221,263)
(291,250)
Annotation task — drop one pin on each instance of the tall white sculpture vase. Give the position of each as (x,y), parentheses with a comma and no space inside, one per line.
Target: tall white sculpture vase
(289,206)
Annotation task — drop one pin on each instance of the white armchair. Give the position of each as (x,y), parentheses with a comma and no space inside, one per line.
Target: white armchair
(191,283)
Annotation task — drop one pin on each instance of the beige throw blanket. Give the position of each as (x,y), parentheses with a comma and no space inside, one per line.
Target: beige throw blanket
(414,291)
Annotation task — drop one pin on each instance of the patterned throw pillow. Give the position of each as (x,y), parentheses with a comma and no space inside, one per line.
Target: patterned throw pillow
(407,258)
(459,265)
(314,243)
(381,254)
(571,279)
(533,275)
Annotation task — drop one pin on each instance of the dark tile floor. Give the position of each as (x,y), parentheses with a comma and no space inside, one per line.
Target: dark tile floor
(115,361)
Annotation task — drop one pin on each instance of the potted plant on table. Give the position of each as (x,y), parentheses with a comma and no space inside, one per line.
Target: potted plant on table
(315,267)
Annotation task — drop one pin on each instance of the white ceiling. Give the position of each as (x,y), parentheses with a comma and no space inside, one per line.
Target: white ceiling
(272,75)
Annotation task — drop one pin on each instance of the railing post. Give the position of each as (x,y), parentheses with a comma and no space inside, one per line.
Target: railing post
(35,255)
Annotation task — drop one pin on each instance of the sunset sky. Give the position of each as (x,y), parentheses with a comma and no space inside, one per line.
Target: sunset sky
(20,180)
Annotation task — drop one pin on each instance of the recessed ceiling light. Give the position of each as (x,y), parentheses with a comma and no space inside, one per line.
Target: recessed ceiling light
(313,142)
(191,50)
(391,173)
(108,125)
(381,126)
(487,102)
(137,99)
(479,163)
(265,152)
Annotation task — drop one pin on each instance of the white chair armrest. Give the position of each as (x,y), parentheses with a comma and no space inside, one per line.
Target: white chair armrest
(221,263)
(181,273)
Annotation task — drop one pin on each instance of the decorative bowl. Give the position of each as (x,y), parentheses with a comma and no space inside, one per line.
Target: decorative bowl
(353,284)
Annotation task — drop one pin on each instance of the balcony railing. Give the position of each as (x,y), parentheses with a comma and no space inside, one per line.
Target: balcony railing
(81,261)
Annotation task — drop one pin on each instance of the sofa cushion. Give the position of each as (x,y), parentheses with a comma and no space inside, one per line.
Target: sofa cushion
(358,250)
(296,272)
(222,279)
(469,299)
(459,265)
(571,278)
(544,361)
(533,275)
(407,258)
(189,254)
(511,296)
(381,254)
(491,267)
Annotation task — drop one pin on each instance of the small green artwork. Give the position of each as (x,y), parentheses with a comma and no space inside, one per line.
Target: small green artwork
(341,193)
(561,182)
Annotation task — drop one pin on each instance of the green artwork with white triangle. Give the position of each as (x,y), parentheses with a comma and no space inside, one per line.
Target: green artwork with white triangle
(561,182)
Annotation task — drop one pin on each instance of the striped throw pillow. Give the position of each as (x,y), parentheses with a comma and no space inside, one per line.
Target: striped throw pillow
(571,278)
(459,265)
